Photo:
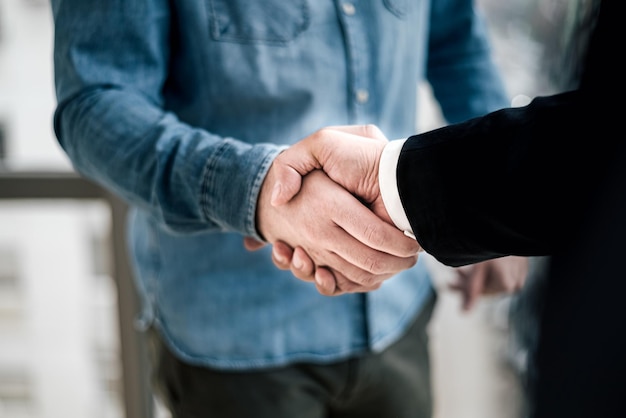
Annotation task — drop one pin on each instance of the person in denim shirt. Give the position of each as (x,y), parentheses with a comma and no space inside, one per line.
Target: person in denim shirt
(180,107)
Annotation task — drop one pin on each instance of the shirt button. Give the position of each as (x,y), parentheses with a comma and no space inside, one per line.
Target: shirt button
(348,8)
(362,96)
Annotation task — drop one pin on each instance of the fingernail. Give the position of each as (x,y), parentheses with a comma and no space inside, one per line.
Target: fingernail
(327,285)
(319,280)
(297,262)
(279,257)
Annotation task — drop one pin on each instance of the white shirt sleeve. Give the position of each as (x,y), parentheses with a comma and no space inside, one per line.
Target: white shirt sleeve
(389,186)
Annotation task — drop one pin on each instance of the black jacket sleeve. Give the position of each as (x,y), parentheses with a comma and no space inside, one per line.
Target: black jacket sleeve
(511,182)
(516,181)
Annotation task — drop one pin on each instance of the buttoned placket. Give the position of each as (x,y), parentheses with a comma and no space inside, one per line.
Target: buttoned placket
(359,59)
(354,23)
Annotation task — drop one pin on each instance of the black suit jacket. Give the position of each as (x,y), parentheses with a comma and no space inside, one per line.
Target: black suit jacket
(545,179)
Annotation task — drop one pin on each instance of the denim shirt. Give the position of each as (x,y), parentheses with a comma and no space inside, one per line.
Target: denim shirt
(180,106)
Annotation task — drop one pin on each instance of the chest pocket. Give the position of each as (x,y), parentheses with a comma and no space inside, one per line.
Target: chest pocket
(265,21)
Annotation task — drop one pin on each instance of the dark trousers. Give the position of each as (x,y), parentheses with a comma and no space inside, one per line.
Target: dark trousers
(393,384)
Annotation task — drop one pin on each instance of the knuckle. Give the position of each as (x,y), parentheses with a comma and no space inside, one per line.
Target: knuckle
(371,130)
(343,286)
(379,237)
(375,287)
(374,265)
(324,132)
(375,235)
(352,287)
(412,261)
(366,279)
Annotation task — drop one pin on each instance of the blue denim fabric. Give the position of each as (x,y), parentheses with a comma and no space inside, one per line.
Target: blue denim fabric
(180,106)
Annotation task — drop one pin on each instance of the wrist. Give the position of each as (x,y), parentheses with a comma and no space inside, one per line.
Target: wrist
(263,204)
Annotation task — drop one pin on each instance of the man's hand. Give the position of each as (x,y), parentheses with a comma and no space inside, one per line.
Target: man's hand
(500,275)
(301,266)
(337,231)
(349,155)
(327,282)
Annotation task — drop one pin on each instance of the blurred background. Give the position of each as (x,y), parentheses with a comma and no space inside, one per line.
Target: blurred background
(67,348)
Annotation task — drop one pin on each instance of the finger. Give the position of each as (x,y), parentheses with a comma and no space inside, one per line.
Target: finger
(345,285)
(252,244)
(328,244)
(520,271)
(302,265)
(296,260)
(505,274)
(367,267)
(325,282)
(461,287)
(282,255)
(475,286)
(376,234)
(335,247)
(465,271)
(353,278)
(332,283)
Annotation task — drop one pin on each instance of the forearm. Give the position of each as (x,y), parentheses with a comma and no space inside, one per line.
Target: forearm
(112,63)
(186,177)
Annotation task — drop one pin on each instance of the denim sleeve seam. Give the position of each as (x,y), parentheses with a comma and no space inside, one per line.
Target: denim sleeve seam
(206,180)
(251,227)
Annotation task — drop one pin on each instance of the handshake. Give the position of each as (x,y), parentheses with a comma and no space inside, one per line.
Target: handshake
(321,206)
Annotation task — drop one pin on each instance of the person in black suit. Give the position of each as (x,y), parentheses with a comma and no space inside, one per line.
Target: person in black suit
(566,154)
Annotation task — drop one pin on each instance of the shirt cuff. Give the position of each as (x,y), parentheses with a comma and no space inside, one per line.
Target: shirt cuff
(389,186)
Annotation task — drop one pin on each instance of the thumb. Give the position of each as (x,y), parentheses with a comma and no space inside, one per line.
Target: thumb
(287,184)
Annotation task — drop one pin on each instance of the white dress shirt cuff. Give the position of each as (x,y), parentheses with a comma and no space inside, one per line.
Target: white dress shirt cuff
(389,186)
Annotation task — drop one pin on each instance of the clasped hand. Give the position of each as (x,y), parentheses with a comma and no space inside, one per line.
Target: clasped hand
(321,208)
(331,226)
